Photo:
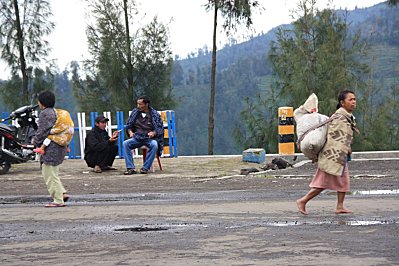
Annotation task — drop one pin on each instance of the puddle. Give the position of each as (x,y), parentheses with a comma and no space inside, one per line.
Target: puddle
(285,223)
(350,223)
(369,176)
(369,192)
(144,227)
(376,192)
(141,229)
(364,222)
(292,176)
(180,226)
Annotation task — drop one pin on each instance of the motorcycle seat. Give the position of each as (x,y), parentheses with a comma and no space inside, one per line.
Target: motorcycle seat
(8,128)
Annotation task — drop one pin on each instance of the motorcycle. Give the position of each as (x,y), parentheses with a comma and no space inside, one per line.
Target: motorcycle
(15,140)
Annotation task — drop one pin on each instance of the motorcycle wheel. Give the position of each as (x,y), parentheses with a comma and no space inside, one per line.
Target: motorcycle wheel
(4,167)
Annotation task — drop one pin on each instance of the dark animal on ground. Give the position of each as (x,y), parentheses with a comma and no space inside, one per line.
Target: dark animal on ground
(281,163)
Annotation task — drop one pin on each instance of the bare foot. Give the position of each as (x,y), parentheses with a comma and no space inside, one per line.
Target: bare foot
(301,207)
(343,210)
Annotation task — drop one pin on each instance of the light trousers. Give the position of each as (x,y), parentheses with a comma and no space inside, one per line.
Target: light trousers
(53,183)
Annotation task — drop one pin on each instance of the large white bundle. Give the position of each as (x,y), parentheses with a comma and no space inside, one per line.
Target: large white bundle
(306,117)
(313,141)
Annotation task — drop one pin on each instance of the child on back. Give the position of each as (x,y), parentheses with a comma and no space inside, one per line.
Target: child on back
(61,133)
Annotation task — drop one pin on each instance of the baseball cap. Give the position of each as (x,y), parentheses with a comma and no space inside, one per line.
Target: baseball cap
(101,118)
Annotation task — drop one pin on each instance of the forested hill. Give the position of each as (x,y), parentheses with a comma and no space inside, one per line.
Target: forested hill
(378,24)
(243,70)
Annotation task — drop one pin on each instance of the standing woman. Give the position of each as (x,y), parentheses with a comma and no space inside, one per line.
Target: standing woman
(332,172)
(54,154)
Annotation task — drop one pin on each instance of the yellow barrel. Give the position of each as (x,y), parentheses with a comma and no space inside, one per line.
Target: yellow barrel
(286,144)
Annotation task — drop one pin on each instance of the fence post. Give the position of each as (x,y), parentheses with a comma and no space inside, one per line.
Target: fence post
(169,134)
(109,123)
(93,116)
(82,131)
(173,123)
(71,146)
(120,126)
(4,115)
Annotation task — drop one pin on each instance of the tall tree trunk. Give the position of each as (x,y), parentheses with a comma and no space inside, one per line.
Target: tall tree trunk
(21,54)
(211,125)
(129,66)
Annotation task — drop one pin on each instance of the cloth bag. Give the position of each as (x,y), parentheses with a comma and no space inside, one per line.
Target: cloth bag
(63,130)
(311,128)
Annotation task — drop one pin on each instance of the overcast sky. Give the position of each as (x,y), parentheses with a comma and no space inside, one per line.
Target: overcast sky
(190,25)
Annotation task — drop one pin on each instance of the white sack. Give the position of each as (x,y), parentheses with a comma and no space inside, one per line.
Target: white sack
(306,117)
(314,141)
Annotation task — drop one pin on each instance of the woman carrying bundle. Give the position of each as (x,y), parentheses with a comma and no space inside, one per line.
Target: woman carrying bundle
(332,172)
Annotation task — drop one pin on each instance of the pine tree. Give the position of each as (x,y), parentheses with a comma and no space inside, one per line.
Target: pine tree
(124,64)
(317,55)
(24,25)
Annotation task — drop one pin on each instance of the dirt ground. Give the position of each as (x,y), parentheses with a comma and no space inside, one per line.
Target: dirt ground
(193,174)
(199,211)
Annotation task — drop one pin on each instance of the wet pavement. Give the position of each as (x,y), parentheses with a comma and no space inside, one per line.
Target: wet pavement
(199,211)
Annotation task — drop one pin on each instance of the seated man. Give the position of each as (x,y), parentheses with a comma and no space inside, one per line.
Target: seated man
(145,127)
(100,149)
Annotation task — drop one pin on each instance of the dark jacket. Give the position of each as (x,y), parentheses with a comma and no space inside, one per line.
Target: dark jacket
(97,141)
(55,153)
(157,125)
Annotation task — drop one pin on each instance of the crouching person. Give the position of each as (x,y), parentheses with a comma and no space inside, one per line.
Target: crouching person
(100,149)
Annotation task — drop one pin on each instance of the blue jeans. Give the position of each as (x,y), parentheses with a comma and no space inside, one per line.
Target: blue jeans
(133,143)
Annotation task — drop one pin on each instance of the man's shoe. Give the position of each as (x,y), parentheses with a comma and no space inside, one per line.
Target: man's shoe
(130,171)
(97,169)
(143,171)
(108,168)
